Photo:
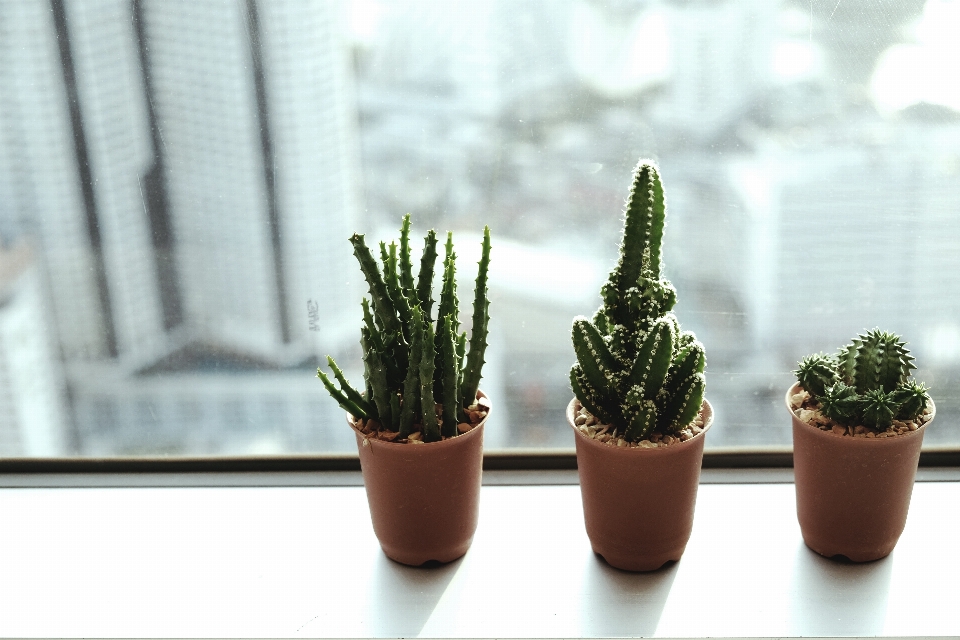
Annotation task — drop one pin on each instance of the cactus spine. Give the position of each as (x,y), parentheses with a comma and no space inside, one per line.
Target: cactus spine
(636,369)
(409,364)
(867,382)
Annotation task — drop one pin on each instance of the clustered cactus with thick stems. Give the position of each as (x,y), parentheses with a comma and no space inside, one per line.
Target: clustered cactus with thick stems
(636,369)
(867,382)
(410,365)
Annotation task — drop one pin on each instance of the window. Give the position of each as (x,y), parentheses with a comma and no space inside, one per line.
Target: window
(178,181)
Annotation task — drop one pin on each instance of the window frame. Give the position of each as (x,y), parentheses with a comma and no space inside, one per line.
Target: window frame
(521,460)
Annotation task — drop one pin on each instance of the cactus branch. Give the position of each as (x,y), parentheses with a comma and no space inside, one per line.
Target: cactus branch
(643,227)
(399,300)
(431,427)
(597,363)
(878,408)
(448,307)
(591,399)
(355,397)
(406,267)
(449,384)
(839,402)
(378,380)
(653,358)
(481,321)
(681,408)
(912,398)
(411,384)
(643,418)
(342,398)
(382,305)
(817,372)
(425,278)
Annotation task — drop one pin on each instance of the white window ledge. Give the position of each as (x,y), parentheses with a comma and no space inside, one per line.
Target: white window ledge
(302,561)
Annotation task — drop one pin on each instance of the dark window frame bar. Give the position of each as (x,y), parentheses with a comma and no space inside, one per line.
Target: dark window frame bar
(780,458)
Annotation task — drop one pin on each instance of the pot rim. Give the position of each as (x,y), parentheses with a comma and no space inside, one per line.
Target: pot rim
(351,421)
(705,406)
(900,437)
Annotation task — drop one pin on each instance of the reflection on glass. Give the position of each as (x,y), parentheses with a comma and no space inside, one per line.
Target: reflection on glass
(178,181)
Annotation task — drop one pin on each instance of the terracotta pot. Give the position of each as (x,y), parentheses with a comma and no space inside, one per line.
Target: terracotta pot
(424,498)
(638,503)
(853,494)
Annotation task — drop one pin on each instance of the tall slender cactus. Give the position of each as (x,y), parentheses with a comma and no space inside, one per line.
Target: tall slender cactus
(635,368)
(410,364)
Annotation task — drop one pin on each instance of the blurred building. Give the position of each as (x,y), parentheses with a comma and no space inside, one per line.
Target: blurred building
(192,173)
(883,206)
(33,417)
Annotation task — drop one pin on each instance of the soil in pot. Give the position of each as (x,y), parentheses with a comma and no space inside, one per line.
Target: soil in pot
(853,484)
(638,501)
(424,497)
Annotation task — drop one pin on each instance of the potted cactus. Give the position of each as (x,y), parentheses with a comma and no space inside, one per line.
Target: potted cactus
(419,421)
(858,424)
(638,415)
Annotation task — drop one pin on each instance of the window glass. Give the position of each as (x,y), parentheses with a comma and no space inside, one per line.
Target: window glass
(178,181)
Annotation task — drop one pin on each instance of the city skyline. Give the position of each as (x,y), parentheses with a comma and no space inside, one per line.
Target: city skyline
(189,174)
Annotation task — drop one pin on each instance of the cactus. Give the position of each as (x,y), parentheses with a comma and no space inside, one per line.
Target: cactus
(817,372)
(839,402)
(409,364)
(875,360)
(635,368)
(867,382)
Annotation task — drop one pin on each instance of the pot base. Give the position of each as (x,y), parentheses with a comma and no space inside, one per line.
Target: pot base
(829,549)
(418,559)
(631,561)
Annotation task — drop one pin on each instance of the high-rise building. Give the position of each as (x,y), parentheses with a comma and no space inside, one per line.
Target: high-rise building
(875,213)
(719,54)
(191,171)
(251,102)
(33,419)
(37,127)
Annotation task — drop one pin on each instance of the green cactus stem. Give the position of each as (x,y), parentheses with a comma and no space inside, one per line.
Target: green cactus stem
(875,360)
(406,267)
(478,333)
(349,398)
(817,372)
(653,359)
(840,402)
(431,426)
(425,277)
(449,307)
(636,369)
(682,406)
(450,383)
(912,398)
(878,408)
(377,371)
(411,384)
(408,363)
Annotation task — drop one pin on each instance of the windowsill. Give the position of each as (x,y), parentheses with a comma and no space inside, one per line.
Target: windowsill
(302,560)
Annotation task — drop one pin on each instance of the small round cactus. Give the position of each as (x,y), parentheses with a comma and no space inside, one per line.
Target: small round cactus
(868,382)
(817,372)
(838,402)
